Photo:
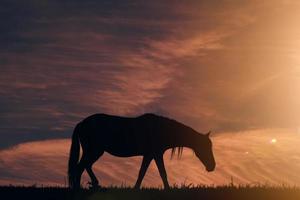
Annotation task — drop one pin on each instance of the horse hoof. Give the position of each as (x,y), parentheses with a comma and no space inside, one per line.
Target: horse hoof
(93,186)
(136,187)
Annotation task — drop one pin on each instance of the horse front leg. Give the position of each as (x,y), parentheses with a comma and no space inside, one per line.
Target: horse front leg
(159,160)
(145,164)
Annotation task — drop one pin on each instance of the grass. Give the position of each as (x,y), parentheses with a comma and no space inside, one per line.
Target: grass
(230,192)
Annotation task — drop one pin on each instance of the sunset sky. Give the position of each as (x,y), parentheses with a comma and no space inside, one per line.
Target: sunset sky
(229,66)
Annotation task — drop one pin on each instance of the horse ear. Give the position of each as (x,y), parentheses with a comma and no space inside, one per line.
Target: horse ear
(208,133)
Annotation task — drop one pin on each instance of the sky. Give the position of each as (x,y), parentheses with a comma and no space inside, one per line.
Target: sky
(264,157)
(228,66)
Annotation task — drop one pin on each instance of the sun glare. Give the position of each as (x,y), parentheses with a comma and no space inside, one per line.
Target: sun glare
(273,141)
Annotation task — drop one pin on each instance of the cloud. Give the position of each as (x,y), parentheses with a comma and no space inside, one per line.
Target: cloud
(207,63)
(246,157)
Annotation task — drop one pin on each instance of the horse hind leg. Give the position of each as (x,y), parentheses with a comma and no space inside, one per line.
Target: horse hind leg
(91,160)
(86,162)
(94,181)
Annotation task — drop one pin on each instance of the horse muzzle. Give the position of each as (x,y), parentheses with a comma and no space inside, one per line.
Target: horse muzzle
(211,168)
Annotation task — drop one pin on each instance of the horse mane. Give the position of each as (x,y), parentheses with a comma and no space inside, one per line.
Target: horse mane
(179,152)
(174,150)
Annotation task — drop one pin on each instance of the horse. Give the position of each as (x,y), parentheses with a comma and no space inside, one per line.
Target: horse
(148,135)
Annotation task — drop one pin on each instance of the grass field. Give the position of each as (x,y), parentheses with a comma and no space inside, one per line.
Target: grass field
(180,193)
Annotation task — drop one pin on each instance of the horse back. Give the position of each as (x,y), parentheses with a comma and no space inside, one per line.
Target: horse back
(121,136)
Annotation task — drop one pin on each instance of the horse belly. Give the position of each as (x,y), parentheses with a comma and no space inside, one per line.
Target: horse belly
(125,146)
(123,150)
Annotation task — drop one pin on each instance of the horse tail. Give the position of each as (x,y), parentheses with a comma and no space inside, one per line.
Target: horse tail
(74,156)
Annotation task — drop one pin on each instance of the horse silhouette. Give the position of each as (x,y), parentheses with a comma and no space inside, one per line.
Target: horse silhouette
(148,135)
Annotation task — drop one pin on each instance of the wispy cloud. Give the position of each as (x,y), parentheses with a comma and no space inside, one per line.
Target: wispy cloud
(194,62)
(247,157)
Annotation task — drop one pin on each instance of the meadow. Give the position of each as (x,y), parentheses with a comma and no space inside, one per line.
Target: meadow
(232,192)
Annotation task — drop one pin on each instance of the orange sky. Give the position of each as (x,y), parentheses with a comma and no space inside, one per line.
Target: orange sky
(226,66)
(248,157)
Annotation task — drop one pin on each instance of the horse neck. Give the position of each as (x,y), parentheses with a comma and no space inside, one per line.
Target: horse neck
(187,137)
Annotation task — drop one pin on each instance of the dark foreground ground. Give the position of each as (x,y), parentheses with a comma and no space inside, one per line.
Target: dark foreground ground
(182,193)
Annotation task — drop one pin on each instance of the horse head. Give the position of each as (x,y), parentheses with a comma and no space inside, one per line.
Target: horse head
(204,152)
